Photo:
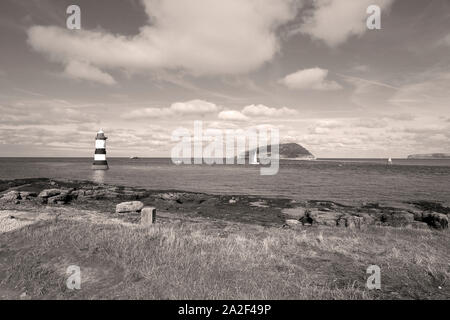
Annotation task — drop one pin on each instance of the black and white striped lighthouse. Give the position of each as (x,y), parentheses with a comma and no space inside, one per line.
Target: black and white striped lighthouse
(100,162)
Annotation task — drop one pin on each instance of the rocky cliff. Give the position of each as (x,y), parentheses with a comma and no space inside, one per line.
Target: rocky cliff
(430,156)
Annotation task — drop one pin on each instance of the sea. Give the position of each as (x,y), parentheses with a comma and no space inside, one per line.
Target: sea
(346,181)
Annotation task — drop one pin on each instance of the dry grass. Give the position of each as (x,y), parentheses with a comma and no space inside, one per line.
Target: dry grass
(202,260)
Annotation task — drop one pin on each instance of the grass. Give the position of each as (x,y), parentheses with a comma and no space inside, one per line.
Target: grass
(206,259)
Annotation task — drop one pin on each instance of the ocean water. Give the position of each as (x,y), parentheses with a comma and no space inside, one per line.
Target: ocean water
(341,180)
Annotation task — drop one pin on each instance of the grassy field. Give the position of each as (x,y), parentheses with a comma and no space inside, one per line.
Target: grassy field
(214,259)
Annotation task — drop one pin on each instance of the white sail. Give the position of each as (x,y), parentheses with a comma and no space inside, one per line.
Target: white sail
(254,158)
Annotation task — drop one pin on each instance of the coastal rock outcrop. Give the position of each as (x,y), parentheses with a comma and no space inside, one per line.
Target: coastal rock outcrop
(397,219)
(47,193)
(435,220)
(130,206)
(56,196)
(326,218)
(11,196)
(290,213)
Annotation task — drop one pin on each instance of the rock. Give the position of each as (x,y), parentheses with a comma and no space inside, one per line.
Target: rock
(27,194)
(397,218)
(169,196)
(324,217)
(354,222)
(292,222)
(418,215)
(47,193)
(297,213)
(59,199)
(342,221)
(11,196)
(148,216)
(435,220)
(111,195)
(130,206)
(419,225)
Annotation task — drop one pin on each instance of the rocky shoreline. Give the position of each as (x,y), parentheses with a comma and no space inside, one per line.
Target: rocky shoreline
(286,213)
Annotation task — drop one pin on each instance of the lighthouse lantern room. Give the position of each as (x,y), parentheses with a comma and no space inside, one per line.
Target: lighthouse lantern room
(100,162)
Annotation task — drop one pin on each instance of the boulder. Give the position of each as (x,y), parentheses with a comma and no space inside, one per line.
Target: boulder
(435,220)
(397,218)
(11,196)
(324,217)
(292,222)
(418,215)
(342,221)
(357,221)
(169,196)
(354,222)
(130,206)
(59,199)
(47,193)
(27,194)
(419,225)
(297,213)
(148,216)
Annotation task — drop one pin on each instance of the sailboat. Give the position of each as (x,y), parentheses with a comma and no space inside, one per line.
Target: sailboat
(389,161)
(254,158)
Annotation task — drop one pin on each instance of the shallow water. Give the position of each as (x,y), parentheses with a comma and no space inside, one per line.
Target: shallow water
(340,180)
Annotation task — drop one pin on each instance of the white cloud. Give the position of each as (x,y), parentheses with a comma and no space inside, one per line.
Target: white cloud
(201,37)
(154,113)
(232,115)
(264,111)
(50,112)
(334,21)
(445,41)
(312,79)
(192,107)
(84,71)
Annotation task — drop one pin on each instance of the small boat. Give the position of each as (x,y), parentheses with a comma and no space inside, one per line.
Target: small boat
(134,158)
(254,158)
(389,161)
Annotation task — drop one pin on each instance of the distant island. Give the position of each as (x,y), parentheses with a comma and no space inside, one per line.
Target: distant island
(430,156)
(290,151)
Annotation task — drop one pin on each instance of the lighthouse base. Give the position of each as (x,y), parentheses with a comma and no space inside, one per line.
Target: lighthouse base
(99,167)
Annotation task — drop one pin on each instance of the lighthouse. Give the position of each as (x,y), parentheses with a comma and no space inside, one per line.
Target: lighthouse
(100,162)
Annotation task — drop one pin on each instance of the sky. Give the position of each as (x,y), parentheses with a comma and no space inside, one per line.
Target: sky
(141,69)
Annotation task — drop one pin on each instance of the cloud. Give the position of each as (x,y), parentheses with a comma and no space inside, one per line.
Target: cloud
(334,21)
(445,41)
(264,111)
(310,79)
(201,37)
(84,71)
(192,107)
(42,112)
(401,116)
(232,115)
